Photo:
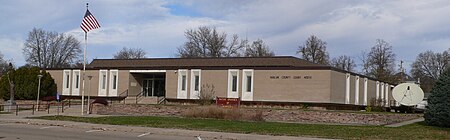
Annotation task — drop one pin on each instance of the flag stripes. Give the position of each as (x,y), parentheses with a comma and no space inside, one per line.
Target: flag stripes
(89,22)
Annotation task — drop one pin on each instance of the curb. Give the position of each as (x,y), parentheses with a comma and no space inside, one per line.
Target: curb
(152,130)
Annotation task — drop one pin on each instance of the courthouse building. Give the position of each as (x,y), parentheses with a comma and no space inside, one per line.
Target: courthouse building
(282,79)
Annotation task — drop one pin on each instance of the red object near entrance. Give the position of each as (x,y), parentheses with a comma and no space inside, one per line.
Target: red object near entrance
(230,102)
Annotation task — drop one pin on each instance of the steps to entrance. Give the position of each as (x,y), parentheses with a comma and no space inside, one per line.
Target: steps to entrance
(142,100)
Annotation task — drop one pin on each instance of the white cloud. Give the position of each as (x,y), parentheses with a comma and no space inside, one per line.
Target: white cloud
(348,26)
(11,48)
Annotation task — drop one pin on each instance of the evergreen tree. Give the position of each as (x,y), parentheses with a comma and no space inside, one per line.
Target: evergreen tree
(26,84)
(438,110)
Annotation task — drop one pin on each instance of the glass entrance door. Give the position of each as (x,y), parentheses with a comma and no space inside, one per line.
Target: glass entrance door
(159,88)
(153,87)
(147,87)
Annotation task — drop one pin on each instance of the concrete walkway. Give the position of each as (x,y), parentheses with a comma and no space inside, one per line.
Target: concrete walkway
(75,111)
(405,122)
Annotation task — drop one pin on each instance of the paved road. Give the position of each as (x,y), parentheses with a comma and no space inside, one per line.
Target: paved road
(14,127)
(12,131)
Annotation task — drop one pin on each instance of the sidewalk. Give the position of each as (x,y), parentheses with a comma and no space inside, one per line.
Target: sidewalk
(75,111)
(405,122)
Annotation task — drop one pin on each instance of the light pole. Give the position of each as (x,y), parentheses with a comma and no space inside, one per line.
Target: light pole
(89,95)
(39,89)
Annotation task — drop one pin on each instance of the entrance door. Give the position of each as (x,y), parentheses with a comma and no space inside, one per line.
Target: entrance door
(147,87)
(153,87)
(159,87)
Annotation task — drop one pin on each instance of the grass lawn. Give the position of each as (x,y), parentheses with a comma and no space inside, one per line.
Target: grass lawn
(413,131)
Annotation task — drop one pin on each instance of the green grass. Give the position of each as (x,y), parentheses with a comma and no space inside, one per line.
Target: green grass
(413,131)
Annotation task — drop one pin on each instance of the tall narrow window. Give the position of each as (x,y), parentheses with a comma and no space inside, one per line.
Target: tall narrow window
(67,81)
(249,83)
(114,82)
(104,82)
(183,83)
(234,84)
(77,81)
(197,83)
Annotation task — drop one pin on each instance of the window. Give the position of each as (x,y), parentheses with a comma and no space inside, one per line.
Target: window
(196,83)
(234,84)
(104,82)
(77,81)
(249,84)
(183,83)
(67,80)
(114,82)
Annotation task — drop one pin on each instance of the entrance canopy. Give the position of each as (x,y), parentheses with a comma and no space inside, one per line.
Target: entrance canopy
(152,83)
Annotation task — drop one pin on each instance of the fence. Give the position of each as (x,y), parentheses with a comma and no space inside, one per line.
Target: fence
(33,107)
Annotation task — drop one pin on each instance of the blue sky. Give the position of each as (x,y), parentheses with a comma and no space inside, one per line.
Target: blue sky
(348,26)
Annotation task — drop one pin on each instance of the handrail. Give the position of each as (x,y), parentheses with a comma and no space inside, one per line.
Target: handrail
(124,92)
(138,96)
(161,100)
(122,96)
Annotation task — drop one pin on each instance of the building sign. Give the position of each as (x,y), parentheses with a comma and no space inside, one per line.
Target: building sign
(296,77)
(230,102)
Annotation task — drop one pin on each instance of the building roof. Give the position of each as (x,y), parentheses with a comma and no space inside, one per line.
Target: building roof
(230,62)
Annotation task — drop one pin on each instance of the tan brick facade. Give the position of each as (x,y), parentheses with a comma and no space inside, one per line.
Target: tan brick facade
(312,84)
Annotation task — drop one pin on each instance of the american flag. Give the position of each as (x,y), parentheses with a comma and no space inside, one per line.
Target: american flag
(89,22)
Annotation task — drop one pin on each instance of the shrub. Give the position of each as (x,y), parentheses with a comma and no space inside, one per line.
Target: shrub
(206,96)
(376,105)
(26,84)
(368,109)
(438,109)
(216,112)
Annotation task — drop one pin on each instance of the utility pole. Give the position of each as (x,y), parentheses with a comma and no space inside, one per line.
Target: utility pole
(38,92)
(89,96)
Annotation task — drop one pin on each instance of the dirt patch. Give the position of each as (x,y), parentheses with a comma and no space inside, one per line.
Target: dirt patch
(272,115)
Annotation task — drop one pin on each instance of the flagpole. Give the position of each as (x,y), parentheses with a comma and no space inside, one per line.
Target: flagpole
(84,68)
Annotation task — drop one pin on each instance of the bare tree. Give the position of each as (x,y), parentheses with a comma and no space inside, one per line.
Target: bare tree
(431,64)
(130,53)
(51,49)
(258,49)
(365,64)
(3,65)
(380,61)
(208,42)
(314,50)
(428,66)
(343,62)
